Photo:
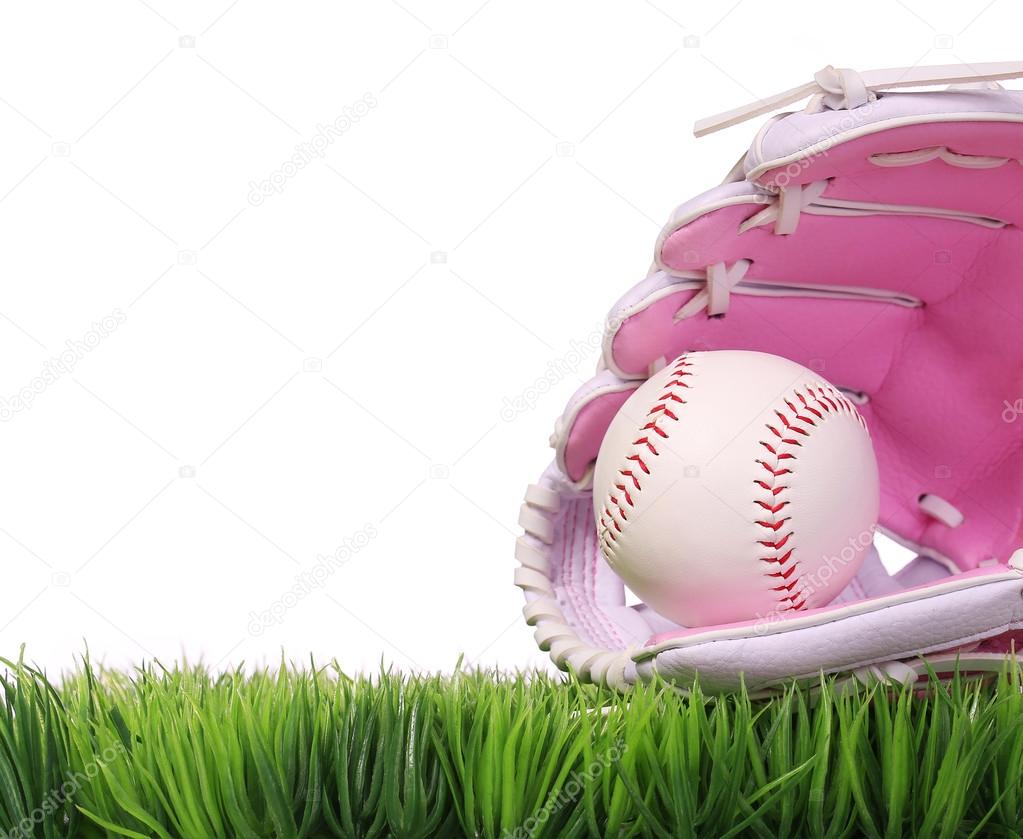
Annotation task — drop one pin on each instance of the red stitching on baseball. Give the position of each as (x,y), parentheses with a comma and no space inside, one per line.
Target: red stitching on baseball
(829,401)
(777,545)
(627,473)
(787,601)
(788,425)
(788,440)
(784,575)
(809,407)
(609,521)
(774,525)
(639,460)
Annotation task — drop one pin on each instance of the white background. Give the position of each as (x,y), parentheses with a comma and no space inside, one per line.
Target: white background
(333,366)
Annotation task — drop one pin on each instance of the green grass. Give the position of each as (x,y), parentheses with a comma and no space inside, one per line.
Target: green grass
(310,753)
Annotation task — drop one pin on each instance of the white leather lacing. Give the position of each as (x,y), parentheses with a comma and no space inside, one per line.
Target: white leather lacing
(841,88)
(785,209)
(698,302)
(553,633)
(918,156)
(846,89)
(716,294)
(793,200)
(941,510)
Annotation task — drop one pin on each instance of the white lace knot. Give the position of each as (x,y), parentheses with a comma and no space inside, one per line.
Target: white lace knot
(843,88)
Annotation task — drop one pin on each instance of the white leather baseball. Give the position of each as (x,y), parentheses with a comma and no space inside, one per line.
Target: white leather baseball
(735,486)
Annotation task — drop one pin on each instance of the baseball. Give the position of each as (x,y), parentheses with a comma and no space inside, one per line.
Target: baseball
(735,486)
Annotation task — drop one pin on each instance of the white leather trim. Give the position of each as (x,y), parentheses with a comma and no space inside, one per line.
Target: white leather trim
(920,628)
(535,523)
(677,222)
(758,141)
(553,633)
(829,615)
(567,420)
(546,499)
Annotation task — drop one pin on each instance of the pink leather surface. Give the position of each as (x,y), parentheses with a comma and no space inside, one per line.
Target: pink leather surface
(997,192)
(937,377)
(826,341)
(925,257)
(590,424)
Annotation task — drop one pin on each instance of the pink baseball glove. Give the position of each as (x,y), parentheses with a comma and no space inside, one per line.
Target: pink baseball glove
(874,238)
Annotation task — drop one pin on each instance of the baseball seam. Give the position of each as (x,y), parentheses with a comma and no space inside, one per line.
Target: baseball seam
(620,496)
(822,401)
(784,572)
